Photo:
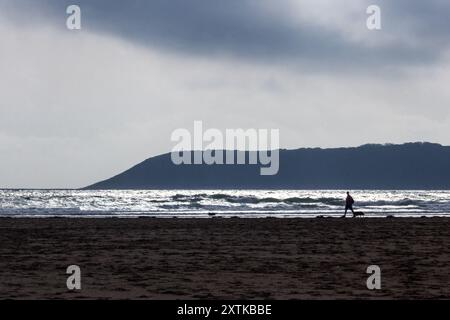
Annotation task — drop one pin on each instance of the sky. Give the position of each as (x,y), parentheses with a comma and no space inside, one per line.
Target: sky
(79,106)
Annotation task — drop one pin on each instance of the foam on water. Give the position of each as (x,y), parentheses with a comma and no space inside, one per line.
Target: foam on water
(204,203)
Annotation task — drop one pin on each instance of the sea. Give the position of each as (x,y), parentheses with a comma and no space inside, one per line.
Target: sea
(220,203)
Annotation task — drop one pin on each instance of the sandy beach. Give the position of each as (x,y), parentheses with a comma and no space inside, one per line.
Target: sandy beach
(225,258)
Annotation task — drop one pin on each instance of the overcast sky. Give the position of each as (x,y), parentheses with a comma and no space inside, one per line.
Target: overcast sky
(78,106)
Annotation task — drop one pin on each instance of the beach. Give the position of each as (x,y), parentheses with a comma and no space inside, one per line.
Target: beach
(218,258)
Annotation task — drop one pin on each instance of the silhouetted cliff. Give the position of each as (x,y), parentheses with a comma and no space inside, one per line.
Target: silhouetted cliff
(406,166)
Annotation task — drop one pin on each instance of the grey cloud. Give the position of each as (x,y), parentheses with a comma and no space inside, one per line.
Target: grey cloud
(246,29)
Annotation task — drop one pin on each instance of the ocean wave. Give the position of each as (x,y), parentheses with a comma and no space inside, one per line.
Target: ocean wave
(401,202)
(60,202)
(246,199)
(329,201)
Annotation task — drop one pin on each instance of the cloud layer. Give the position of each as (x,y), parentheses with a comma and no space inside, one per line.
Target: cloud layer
(318,32)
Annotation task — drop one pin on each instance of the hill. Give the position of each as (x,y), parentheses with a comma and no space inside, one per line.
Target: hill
(405,166)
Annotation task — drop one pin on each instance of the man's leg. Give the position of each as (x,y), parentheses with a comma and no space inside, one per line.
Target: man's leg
(351,208)
(345,214)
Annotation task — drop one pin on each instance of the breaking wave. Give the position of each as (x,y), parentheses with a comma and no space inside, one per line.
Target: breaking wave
(193,203)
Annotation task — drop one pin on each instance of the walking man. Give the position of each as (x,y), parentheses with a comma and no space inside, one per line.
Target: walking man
(349,204)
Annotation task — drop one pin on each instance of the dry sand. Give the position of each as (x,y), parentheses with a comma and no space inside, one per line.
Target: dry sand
(225,258)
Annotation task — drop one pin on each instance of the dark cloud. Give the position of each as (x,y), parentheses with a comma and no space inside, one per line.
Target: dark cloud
(247,29)
(422,18)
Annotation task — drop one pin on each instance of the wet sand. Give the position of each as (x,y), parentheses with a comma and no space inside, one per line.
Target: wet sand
(225,258)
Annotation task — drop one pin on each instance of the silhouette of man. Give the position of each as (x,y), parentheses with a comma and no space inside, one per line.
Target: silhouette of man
(349,204)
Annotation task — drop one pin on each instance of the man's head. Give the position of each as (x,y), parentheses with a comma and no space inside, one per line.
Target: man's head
(348,193)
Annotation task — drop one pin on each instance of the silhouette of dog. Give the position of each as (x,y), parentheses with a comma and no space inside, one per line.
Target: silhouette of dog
(358,214)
